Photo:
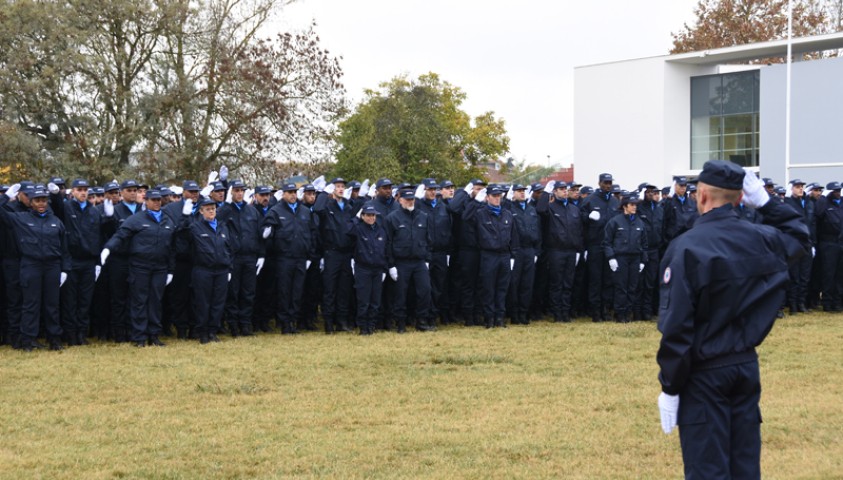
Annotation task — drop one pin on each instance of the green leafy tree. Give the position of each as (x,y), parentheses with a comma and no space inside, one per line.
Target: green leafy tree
(412,129)
(726,23)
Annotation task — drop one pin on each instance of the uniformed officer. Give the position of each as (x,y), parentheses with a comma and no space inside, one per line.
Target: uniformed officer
(178,293)
(148,237)
(334,212)
(722,282)
(209,244)
(291,233)
(528,230)
(11,263)
(44,263)
(469,254)
(408,256)
(829,232)
(800,272)
(596,211)
(498,245)
(84,224)
(680,211)
(649,211)
(561,243)
(433,200)
(369,264)
(625,245)
(249,257)
(118,267)
(265,286)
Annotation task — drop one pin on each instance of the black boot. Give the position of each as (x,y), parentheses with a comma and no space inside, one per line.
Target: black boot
(232,327)
(246,330)
(402,325)
(153,340)
(181,333)
(80,339)
(490,322)
(500,323)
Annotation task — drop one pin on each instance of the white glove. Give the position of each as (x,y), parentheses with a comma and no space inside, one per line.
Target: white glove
(62,279)
(549,187)
(176,190)
(585,255)
(394,191)
(104,256)
(206,191)
(536,259)
(393,274)
(212,177)
(511,264)
(346,194)
(447,260)
(169,279)
(427,265)
(53,188)
(481,196)
(420,191)
(594,215)
(228,195)
(108,208)
(247,196)
(187,209)
(279,195)
(509,194)
(319,183)
(640,267)
(359,214)
(12,192)
(223,173)
(577,259)
(330,189)
(468,188)
(613,264)
(97,271)
(528,192)
(321,264)
(229,278)
(300,194)
(371,193)
(352,266)
(813,252)
(668,408)
(383,277)
(754,194)
(267,231)
(364,188)
(307,264)
(259,265)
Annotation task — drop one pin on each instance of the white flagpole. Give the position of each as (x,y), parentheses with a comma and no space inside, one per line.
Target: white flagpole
(787,94)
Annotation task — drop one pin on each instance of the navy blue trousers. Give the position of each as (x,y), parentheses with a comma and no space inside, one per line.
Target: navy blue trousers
(146,302)
(118,289)
(14,297)
(39,282)
(412,271)
(495,273)
(561,267)
(599,280)
(77,295)
(241,290)
(290,274)
(337,284)
(209,291)
(720,423)
(368,283)
(625,280)
(521,283)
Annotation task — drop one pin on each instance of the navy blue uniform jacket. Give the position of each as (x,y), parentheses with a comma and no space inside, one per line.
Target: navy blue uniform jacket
(495,233)
(39,238)
(409,236)
(293,233)
(369,242)
(722,283)
(149,244)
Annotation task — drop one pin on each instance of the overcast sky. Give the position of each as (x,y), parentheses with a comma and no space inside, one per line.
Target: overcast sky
(515,58)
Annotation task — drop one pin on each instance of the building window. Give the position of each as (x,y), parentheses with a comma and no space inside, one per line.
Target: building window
(724,118)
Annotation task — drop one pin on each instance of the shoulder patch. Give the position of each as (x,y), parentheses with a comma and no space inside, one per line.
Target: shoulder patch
(666,278)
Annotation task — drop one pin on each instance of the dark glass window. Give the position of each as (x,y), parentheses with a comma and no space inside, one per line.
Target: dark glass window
(724,118)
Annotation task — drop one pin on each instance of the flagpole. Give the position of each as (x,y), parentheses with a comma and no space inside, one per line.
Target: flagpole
(787,94)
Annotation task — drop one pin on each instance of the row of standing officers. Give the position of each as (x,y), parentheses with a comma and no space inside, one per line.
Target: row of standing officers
(132,269)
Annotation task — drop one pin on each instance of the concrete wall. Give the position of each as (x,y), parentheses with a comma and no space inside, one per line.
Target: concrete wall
(816,120)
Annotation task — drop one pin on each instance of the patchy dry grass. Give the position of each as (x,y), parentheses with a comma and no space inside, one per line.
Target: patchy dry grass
(547,400)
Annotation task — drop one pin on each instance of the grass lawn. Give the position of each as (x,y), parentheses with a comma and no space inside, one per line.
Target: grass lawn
(546,400)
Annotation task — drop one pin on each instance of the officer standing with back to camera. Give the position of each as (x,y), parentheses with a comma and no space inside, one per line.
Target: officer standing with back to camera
(722,283)
(44,263)
(148,237)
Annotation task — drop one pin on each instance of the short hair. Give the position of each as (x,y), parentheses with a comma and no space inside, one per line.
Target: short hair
(721,196)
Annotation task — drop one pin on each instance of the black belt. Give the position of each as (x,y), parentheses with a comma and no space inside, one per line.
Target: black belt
(726,360)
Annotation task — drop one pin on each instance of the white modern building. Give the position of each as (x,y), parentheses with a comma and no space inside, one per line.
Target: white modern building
(652,118)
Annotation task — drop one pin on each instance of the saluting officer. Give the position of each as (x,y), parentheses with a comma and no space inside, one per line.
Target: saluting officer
(44,263)
(722,283)
(369,266)
(118,267)
(148,238)
(800,272)
(562,243)
(408,256)
(469,253)
(209,245)
(84,237)
(829,233)
(649,211)
(178,292)
(680,210)
(596,211)
(498,244)
(625,246)
(291,233)
(11,262)
(428,201)
(265,287)
(249,257)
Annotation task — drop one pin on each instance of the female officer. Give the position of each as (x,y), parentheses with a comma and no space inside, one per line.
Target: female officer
(368,266)
(210,252)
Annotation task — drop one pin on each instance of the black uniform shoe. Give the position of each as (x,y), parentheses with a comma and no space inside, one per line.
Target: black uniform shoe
(181,334)
(155,341)
(232,328)
(140,344)
(55,345)
(246,331)
(213,337)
